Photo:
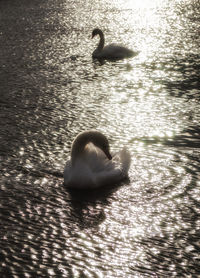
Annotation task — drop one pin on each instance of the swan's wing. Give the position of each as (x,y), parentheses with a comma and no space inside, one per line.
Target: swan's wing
(123,159)
(78,175)
(94,169)
(113,171)
(109,177)
(117,51)
(104,171)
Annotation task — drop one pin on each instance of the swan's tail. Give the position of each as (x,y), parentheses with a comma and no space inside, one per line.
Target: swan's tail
(125,161)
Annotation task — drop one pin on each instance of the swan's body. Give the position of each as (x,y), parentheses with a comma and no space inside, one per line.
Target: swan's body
(91,164)
(111,51)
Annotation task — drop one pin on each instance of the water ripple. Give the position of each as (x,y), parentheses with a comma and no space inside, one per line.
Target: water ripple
(51,90)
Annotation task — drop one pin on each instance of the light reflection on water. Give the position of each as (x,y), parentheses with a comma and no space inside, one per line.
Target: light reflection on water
(51,90)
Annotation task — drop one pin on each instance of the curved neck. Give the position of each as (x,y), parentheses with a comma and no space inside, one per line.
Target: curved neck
(101,42)
(84,138)
(78,148)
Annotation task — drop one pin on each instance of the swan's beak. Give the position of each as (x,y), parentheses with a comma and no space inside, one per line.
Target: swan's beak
(109,156)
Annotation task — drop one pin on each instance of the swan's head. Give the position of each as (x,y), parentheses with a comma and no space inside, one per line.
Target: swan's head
(101,142)
(93,136)
(96,31)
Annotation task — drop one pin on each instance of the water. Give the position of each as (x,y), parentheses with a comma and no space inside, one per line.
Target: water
(51,90)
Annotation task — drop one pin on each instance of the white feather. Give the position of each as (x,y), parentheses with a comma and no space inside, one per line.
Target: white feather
(92,168)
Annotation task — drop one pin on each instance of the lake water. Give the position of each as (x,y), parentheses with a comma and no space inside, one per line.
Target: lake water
(51,89)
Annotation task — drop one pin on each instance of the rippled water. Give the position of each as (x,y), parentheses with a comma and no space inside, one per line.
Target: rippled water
(51,90)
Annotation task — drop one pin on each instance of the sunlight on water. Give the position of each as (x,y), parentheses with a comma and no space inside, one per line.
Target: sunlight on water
(136,4)
(146,227)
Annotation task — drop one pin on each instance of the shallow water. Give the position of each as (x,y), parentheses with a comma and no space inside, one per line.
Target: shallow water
(51,90)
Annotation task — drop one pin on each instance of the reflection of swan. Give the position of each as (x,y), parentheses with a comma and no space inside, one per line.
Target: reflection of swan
(91,164)
(111,51)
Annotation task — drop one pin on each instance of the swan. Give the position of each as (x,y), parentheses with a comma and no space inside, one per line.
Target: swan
(91,164)
(111,51)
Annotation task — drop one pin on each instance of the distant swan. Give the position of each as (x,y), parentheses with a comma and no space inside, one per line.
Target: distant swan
(111,51)
(91,164)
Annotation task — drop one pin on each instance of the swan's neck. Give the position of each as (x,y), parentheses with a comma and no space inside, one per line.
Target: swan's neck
(83,139)
(101,42)
(77,149)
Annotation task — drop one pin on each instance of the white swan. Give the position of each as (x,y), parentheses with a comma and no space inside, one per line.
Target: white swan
(111,51)
(91,164)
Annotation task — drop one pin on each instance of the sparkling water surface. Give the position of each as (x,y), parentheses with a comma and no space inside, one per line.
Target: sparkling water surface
(51,89)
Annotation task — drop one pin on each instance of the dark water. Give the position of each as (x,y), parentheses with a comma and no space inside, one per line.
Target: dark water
(50,90)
